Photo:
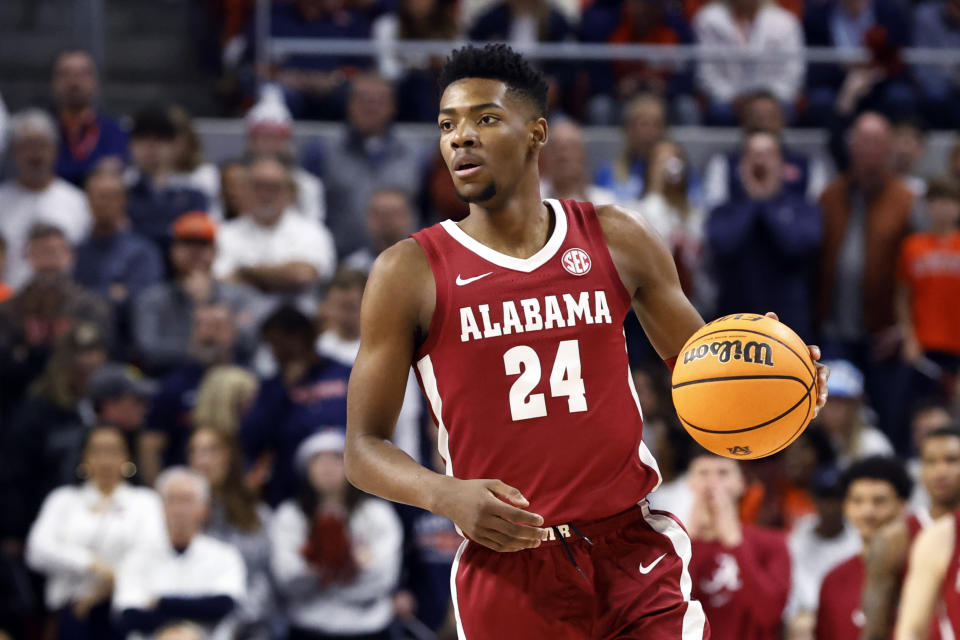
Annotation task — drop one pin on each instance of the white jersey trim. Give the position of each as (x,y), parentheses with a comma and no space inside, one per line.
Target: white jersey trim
(645,456)
(525,265)
(461,635)
(694,619)
(429,379)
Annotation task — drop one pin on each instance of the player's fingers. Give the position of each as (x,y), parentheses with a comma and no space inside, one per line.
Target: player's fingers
(771,314)
(530,536)
(814,351)
(506,492)
(513,514)
(499,542)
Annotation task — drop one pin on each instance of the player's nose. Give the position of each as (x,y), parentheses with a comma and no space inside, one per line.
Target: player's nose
(464,136)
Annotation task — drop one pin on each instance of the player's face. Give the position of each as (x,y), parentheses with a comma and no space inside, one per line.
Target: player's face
(940,469)
(489,139)
(871,504)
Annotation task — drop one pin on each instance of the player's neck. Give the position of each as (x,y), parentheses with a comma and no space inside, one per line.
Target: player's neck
(938,510)
(519,227)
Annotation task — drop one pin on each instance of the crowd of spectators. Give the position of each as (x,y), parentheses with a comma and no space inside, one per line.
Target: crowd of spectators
(708,90)
(176,335)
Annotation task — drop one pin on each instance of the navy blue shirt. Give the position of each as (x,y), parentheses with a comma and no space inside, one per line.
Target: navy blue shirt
(124,258)
(111,140)
(286,21)
(172,410)
(764,254)
(281,418)
(153,211)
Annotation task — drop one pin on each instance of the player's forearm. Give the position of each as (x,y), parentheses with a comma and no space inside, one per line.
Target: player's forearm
(376,466)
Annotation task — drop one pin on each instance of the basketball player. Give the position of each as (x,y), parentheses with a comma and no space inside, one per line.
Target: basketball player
(514,319)
(931,579)
(875,492)
(886,559)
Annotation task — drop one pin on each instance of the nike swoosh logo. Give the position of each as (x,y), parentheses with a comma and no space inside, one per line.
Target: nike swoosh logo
(647,569)
(463,281)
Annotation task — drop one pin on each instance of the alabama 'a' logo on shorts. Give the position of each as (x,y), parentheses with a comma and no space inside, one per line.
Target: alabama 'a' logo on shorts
(576,261)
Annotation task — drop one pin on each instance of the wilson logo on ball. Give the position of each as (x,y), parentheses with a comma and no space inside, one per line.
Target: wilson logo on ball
(576,262)
(753,352)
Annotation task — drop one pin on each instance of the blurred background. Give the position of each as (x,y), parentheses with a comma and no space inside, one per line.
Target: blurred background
(192,193)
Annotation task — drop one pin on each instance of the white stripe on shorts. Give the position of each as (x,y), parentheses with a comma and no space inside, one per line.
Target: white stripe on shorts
(453,589)
(694,620)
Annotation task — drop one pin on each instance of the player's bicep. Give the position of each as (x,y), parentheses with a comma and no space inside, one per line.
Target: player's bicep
(388,328)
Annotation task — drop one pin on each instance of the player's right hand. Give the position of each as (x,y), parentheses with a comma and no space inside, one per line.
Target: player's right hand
(489,512)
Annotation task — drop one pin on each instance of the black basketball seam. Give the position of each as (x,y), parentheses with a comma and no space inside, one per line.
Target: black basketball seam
(760,333)
(753,377)
(805,396)
(796,434)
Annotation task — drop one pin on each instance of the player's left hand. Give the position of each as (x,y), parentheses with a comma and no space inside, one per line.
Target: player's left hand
(823,372)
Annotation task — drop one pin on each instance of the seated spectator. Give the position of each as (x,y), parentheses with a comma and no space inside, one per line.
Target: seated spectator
(909,146)
(875,490)
(46,309)
(314,85)
(270,133)
(225,396)
(6,291)
(188,575)
(881,25)
(36,195)
(114,262)
(415,75)
(938,26)
(336,551)
(87,135)
(925,418)
(155,201)
(757,26)
(565,173)
(666,205)
(189,167)
(42,445)
(845,421)
(637,22)
(761,111)
(818,543)
(928,292)
(235,192)
(170,421)
(237,518)
(120,397)
(390,219)
(366,156)
(271,247)
(340,341)
(163,315)
(740,573)
(644,125)
(307,393)
(84,532)
(764,244)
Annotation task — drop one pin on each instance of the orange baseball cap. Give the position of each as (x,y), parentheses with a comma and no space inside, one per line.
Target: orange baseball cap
(195,225)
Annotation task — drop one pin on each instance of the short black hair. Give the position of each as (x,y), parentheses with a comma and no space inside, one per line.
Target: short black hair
(153,122)
(287,319)
(497,62)
(949,431)
(883,468)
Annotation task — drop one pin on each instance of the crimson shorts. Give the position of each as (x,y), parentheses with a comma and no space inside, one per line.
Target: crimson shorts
(634,584)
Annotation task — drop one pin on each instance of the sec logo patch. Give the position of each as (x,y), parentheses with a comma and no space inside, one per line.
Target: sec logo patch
(576,261)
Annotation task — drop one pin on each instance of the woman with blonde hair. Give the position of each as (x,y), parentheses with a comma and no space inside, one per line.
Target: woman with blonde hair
(223,398)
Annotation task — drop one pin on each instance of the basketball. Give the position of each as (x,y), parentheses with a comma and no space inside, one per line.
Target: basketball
(744,386)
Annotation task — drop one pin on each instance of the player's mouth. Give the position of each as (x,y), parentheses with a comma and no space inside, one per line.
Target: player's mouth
(467,166)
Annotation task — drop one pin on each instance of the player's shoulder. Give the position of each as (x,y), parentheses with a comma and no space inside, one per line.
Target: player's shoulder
(940,533)
(400,262)
(622,223)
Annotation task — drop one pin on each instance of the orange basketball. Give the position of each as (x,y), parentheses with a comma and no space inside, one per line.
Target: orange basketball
(744,386)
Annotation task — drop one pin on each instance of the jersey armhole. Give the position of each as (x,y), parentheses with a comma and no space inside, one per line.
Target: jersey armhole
(595,231)
(434,259)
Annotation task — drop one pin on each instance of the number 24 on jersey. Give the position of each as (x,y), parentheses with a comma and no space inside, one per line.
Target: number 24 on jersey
(565,380)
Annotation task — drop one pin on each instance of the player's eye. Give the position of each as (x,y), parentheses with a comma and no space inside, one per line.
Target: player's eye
(488,119)
(446,125)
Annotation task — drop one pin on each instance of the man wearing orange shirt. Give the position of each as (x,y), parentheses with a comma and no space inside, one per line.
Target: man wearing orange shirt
(928,294)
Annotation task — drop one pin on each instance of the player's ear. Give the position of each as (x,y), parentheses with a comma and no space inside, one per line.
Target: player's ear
(538,133)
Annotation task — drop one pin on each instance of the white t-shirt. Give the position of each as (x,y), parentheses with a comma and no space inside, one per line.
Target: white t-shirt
(813,557)
(60,204)
(78,525)
(244,243)
(208,567)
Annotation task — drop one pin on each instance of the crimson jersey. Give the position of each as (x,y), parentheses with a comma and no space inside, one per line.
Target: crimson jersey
(950,590)
(525,369)
(839,616)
